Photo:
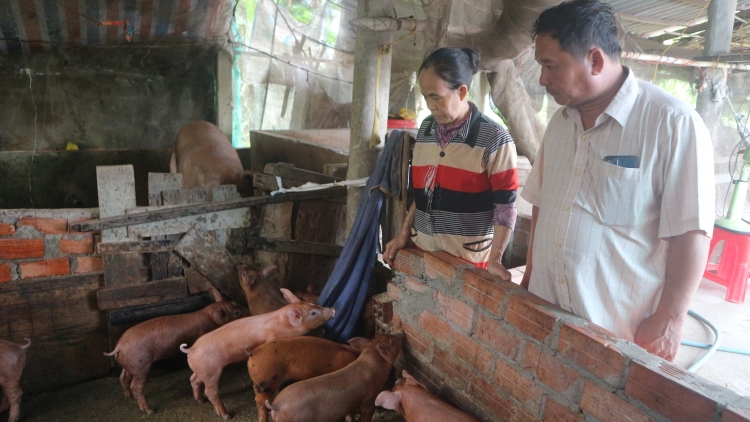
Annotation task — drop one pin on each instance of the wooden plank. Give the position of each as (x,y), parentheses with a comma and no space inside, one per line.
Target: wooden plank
(275,223)
(68,333)
(157,183)
(142,313)
(121,270)
(193,209)
(144,246)
(174,265)
(213,261)
(269,183)
(225,193)
(116,188)
(142,293)
(313,223)
(196,281)
(228,219)
(293,246)
(184,196)
(288,171)
(336,170)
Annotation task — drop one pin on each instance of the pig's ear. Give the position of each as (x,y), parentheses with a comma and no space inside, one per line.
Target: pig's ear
(289,296)
(220,316)
(389,400)
(215,294)
(358,343)
(295,316)
(269,271)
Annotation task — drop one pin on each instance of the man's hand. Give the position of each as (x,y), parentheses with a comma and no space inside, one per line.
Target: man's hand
(661,335)
(495,267)
(398,242)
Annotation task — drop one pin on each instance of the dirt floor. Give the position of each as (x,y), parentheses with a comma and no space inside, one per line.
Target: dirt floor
(168,392)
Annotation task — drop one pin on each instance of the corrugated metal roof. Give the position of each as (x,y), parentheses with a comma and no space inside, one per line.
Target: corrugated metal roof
(649,17)
(49,23)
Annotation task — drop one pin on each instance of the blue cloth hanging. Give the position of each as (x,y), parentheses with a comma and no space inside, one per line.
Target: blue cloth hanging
(346,288)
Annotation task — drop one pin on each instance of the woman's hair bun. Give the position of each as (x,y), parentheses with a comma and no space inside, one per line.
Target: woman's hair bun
(473,59)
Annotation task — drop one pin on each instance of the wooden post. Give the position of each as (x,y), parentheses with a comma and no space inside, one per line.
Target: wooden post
(366,79)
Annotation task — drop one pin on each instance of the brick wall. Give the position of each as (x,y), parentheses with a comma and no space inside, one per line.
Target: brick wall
(40,243)
(501,353)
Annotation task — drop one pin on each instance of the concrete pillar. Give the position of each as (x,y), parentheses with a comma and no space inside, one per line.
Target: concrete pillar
(224,94)
(361,157)
(717,42)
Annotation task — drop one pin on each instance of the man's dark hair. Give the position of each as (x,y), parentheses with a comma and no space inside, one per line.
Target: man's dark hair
(454,65)
(580,25)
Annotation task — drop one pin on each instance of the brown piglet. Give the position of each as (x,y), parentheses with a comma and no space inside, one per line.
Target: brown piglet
(416,403)
(226,345)
(159,338)
(12,361)
(293,359)
(261,296)
(330,397)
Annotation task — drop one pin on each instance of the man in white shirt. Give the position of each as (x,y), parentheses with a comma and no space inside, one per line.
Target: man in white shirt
(622,188)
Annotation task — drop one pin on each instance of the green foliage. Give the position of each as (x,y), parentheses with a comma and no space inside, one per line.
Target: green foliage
(301,12)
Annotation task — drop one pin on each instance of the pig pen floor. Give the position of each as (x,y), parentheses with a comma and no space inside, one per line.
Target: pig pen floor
(168,392)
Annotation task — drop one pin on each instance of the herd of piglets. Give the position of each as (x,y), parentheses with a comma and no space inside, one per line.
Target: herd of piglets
(323,380)
(12,361)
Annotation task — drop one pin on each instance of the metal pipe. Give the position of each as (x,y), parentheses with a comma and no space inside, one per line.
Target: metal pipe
(675,61)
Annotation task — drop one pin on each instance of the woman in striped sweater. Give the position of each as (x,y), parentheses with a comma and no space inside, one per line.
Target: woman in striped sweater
(464,171)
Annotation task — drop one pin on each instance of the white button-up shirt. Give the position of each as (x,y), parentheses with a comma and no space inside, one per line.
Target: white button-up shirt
(599,248)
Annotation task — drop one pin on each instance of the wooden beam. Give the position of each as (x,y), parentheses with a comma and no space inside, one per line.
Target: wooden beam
(213,261)
(146,246)
(287,171)
(391,24)
(269,183)
(653,21)
(142,313)
(294,246)
(193,209)
(142,293)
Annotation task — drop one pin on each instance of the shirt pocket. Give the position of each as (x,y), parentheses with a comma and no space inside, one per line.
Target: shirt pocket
(615,194)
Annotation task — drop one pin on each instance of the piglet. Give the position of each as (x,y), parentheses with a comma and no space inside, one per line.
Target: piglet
(293,359)
(12,361)
(159,338)
(416,404)
(261,296)
(226,345)
(330,397)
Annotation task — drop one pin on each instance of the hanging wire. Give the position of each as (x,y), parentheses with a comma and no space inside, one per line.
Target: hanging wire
(656,69)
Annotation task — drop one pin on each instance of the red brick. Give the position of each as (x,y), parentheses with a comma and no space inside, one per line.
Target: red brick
(7,229)
(471,352)
(550,371)
(46,225)
(437,327)
(660,390)
(21,248)
(735,415)
(394,292)
(592,348)
(456,311)
(556,412)
(444,265)
(608,406)
(521,415)
(485,289)
(4,273)
(419,286)
(416,341)
(45,268)
(457,373)
(497,337)
(517,385)
(89,264)
(530,318)
(410,261)
(488,394)
(81,245)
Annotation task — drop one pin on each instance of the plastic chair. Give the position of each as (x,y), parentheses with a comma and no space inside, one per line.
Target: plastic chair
(733,268)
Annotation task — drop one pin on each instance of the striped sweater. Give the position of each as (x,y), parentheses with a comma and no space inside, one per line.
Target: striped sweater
(456,187)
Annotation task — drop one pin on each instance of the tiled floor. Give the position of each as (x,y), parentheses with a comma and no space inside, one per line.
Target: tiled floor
(733,322)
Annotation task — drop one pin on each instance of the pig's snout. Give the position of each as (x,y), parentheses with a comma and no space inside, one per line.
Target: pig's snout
(329,313)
